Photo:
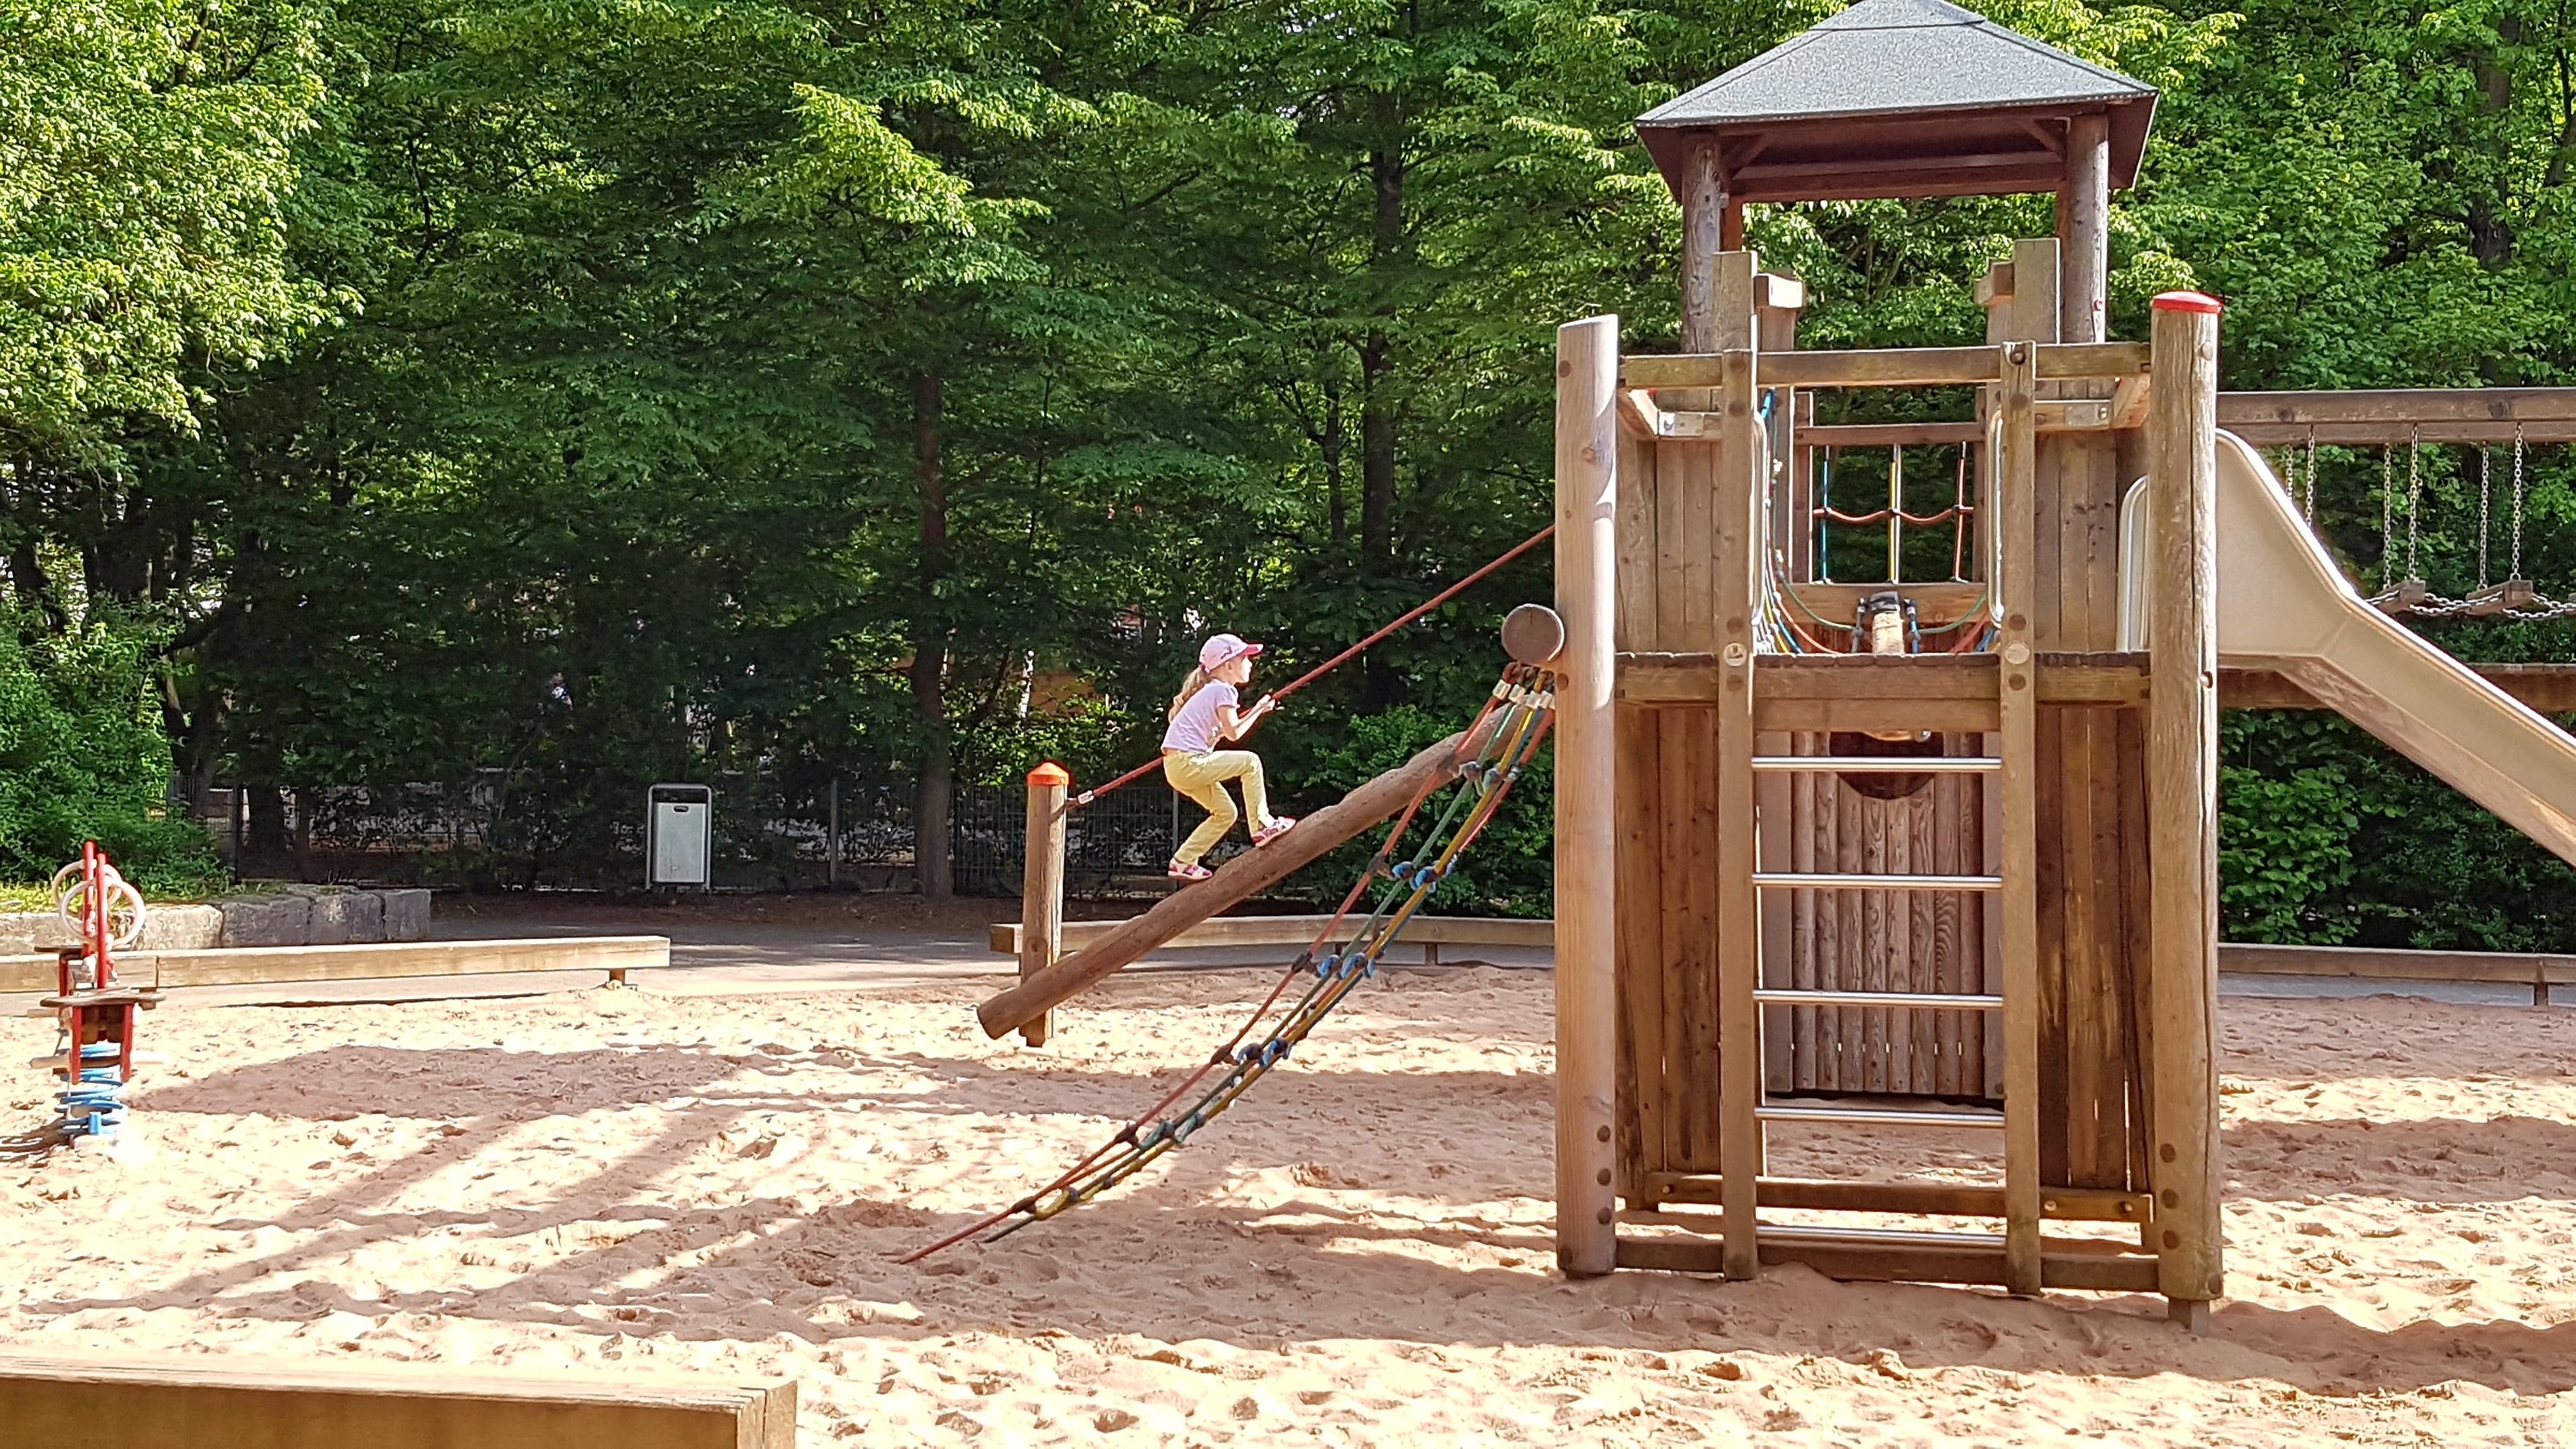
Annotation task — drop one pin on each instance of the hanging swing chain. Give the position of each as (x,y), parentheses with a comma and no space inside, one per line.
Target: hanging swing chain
(2387,522)
(2517,503)
(2486,476)
(2489,599)
(2311,497)
(2414,503)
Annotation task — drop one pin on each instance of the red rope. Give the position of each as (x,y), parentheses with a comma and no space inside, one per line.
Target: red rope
(1320,670)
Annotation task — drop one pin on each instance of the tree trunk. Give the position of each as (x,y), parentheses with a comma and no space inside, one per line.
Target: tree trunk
(2491,233)
(1377,360)
(930,805)
(1378,682)
(1338,504)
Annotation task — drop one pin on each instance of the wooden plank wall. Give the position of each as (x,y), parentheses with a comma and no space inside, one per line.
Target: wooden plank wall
(2091,797)
(1881,940)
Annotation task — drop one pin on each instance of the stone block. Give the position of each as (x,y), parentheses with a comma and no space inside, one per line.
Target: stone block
(278,920)
(339,917)
(24,933)
(181,928)
(406,915)
(367,917)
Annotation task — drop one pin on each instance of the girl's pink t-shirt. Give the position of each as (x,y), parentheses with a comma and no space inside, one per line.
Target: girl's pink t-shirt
(1194,728)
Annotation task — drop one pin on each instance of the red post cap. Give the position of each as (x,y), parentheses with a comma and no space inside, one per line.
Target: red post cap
(2188,302)
(1051,773)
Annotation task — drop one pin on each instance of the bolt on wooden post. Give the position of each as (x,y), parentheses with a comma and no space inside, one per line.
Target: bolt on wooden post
(1042,882)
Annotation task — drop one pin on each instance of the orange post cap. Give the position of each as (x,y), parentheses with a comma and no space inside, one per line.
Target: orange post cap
(1051,773)
(2187,302)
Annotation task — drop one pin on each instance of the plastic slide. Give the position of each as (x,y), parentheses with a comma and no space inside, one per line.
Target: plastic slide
(2283,605)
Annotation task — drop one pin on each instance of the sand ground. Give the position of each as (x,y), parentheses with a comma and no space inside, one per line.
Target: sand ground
(1358,1255)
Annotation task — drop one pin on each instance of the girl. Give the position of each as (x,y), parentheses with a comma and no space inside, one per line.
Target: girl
(1203,715)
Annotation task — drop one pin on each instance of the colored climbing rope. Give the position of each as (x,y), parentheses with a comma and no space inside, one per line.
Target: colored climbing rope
(1353,652)
(1498,746)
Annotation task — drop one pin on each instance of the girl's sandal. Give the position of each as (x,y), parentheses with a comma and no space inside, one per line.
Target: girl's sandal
(1277,827)
(1178,871)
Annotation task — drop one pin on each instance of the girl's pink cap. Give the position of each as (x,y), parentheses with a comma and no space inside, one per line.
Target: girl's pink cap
(1223,649)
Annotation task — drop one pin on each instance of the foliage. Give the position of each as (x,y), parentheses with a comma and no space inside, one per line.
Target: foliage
(522,403)
(145,158)
(82,758)
(1507,872)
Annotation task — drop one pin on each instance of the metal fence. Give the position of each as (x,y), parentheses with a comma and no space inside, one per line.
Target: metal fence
(768,835)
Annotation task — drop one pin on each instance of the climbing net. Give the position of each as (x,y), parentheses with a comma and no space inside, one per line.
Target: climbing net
(1498,746)
(2512,597)
(1785,624)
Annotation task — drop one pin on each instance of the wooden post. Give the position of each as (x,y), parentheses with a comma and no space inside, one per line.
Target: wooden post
(2084,229)
(2182,799)
(832,839)
(1741,485)
(1587,984)
(1703,196)
(1042,883)
(2017,506)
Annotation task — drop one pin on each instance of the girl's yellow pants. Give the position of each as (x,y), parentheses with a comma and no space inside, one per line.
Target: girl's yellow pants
(1202,778)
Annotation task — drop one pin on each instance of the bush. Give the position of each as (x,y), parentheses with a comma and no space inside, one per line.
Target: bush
(83,757)
(1508,870)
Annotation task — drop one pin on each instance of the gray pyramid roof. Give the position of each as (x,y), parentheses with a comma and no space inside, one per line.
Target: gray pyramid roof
(1912,60)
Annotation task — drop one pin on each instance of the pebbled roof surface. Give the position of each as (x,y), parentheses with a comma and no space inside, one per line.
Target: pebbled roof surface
(1890,56)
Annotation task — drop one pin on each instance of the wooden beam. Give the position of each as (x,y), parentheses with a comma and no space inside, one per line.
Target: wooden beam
(2182,799)
(2365,963)
(2066,361)
(1587,828)
(2084,231)
(1944,1199)
(1742,484)
(1239,879)
(1003,937)
(1937,603)
(1702,194)
(2357,962)
(2390,416)
(2072,1264)
(2092,678)
(198,1401)
(2017,506)
(1880,435)
(266,965)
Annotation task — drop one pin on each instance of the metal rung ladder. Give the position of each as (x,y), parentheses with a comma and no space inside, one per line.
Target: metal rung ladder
(2018,1119)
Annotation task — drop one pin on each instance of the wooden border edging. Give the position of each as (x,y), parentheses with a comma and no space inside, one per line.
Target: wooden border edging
(2363,963)
(2360,963)
(1298,930)
(198,1400)
(266,965)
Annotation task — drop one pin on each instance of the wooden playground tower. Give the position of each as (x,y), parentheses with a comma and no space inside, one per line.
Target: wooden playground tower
(1773,913)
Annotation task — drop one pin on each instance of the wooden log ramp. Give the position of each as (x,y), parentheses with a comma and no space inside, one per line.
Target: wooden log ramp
(1247,875)
(201,1400)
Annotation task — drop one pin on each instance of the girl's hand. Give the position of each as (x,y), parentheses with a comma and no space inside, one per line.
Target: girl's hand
(1260,707)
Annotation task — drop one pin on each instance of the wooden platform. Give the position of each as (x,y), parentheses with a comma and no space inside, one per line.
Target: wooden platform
(261,965)
(203,1401)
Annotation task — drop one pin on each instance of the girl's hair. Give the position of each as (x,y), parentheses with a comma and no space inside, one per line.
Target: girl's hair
(1197,681)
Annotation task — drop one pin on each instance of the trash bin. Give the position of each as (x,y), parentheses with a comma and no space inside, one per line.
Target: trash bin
(679,835)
